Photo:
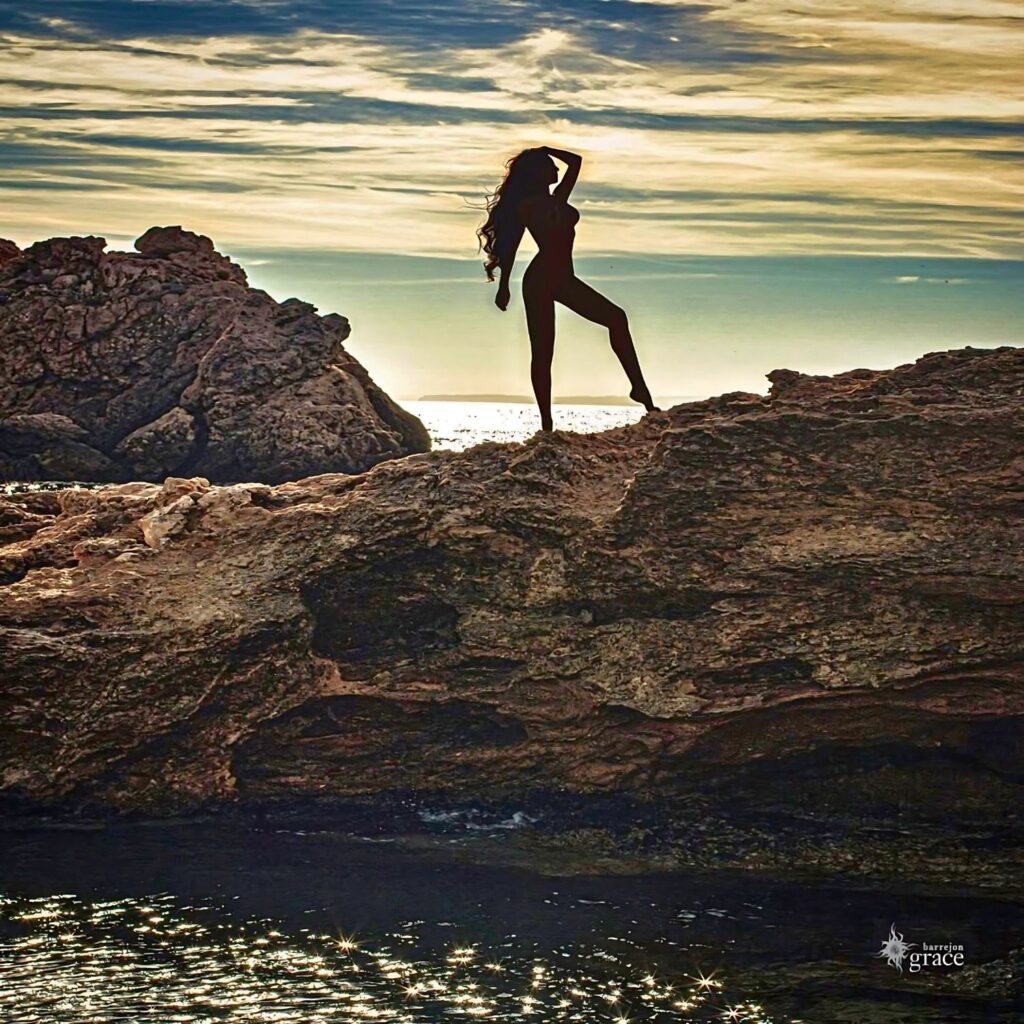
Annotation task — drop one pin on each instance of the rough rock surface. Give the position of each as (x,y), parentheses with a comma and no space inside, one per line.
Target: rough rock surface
(808,601)
(135,366)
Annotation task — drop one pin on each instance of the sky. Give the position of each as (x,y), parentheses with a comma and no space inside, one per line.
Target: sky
(820,185)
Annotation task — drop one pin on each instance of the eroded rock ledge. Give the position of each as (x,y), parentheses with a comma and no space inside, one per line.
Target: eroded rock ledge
(810,601)
(134,366)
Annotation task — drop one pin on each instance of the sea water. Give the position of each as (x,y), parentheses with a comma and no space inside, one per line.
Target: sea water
(181,924)
(460,425)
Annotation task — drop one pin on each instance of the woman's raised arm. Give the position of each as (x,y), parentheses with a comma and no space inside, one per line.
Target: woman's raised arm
(573,163)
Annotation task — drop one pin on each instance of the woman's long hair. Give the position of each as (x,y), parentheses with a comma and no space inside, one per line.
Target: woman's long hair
(520,181)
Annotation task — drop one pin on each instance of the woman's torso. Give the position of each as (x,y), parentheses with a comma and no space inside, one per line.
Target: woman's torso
(552,224)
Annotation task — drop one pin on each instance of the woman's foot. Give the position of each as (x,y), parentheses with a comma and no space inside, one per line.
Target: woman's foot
(644,398)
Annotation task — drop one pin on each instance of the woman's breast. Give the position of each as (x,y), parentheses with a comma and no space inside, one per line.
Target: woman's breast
(559,217)
(564,216)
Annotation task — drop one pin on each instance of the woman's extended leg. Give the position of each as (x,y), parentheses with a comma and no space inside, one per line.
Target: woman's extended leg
(593,306)
(540,322)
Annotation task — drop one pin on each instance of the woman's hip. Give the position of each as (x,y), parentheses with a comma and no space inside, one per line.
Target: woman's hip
(545,276)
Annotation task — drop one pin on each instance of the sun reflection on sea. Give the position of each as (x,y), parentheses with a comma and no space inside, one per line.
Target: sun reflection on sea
(159,959)
(460,425)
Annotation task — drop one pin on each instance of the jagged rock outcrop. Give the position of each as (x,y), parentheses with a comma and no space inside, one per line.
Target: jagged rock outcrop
(8,251)
(810,599)
(135,366)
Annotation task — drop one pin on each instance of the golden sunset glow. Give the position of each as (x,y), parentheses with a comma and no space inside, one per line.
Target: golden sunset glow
(344,152)
(735,128)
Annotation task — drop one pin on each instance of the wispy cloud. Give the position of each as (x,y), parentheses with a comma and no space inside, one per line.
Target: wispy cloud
(887,126)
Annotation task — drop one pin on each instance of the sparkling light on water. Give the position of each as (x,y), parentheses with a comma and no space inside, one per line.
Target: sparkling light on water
(91,962)
(460,425)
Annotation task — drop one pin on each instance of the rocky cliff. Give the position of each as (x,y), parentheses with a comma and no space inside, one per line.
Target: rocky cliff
(132,366)
(809,601)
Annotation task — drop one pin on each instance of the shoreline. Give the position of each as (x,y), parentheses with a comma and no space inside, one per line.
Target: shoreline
(569,837)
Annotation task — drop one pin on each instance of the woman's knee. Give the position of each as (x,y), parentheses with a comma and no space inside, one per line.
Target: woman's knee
(617,319)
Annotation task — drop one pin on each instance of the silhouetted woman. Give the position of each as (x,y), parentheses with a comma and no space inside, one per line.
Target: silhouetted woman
(522,201)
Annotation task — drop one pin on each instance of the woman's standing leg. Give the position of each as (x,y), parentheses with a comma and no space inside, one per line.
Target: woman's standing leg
(593,306)
(540,322)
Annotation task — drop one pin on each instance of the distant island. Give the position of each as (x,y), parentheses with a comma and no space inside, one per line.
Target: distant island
(558,399)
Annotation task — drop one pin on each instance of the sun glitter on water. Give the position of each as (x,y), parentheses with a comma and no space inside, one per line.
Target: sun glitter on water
(79,961)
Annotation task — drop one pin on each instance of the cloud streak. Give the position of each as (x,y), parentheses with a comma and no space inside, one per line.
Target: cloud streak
(889,128)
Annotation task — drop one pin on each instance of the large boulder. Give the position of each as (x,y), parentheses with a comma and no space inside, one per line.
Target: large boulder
(809,601)
(165,362)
